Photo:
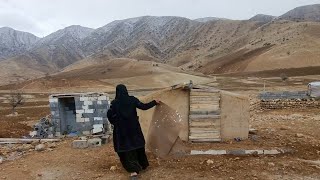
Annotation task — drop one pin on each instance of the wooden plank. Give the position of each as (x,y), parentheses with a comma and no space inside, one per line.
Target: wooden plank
(205,90)
(211,116)
(209,109)
(205,106)
(204,125)
(205,102)
(210,94)
(204,130)
(197,136)
(199,112)
(206,140)
(204,98)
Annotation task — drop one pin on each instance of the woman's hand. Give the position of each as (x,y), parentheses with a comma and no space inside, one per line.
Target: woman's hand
(158,102)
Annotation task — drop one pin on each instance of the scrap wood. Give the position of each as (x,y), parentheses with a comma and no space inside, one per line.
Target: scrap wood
(22,141)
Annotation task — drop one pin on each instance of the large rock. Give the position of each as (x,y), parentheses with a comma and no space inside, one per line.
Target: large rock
(40,147)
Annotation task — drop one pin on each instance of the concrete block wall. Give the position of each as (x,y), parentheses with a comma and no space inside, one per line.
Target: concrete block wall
(90,109)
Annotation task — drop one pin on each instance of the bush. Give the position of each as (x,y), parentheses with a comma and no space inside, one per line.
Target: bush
(284,77)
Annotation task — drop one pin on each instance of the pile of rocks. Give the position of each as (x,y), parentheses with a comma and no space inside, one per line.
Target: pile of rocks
(9,152)
(43,129)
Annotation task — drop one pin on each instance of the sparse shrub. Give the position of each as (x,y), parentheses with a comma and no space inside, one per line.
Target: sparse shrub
(15,99)
(284,77)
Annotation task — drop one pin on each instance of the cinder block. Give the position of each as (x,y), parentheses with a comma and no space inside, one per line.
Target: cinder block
(100,98)
(83,98)
(89,110)
(99,102)
(98,118)
(80,120)
(86,132)
(79,116)
(88,115)
(80,111)
(95,142)
(93,98)
(84,107)
(80,144)
(86,119)
(57,134)
(87,102)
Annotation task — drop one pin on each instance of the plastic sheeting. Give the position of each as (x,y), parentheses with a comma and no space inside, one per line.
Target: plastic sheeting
(164,130)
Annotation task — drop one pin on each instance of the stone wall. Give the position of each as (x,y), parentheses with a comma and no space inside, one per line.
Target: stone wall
(289,103)
(286,99)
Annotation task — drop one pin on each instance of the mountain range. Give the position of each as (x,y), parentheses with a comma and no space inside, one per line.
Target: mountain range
(208,45)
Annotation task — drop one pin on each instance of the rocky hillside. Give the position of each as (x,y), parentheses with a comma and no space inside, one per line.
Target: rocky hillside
(13,42)
(262,18)
(56,50)
(208,45)
(303,13)
(146,38)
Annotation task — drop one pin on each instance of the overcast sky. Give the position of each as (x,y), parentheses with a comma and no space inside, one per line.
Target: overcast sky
(42,17)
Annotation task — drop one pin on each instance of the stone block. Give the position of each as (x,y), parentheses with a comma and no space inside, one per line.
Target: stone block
(95,142)
(248,152)
(79,115)
(86,119)
(80,120)
(98,118)
(88,115)
(86,132)
(100,98)
(57,134)
(209,152)
(87,103)
(89,110)
(236,152)
(82,98)
(80,111)
(271,152)
(80,144)
(99,102)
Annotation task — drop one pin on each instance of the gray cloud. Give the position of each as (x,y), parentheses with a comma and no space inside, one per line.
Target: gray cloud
(42,17)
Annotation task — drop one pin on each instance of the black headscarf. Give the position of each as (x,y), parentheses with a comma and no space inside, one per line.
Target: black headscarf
(123,101)
(121,92)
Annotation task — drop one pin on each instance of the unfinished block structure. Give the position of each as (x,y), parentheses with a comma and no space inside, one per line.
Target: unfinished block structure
(79,113)
(206,114)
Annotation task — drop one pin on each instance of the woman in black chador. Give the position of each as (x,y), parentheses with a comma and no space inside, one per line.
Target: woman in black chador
(128,139)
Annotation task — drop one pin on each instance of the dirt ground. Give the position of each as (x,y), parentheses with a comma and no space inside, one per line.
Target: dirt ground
(296,130)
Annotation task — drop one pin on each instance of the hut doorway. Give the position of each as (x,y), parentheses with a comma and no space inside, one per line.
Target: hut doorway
(67,109)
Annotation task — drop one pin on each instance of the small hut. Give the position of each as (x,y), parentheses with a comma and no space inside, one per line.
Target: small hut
(314,89)
(207,114)
(79,113)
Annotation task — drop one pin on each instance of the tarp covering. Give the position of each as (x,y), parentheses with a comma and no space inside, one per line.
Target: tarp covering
(164,130)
